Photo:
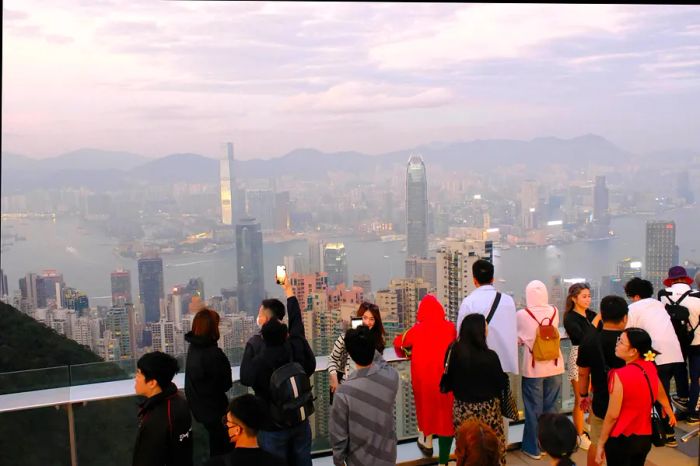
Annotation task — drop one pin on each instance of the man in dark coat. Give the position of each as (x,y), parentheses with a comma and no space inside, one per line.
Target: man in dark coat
(165,426)
(266,352)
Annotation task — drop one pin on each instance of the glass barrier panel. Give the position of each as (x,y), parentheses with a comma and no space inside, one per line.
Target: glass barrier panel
(34,379)
(97,372)
(35,437)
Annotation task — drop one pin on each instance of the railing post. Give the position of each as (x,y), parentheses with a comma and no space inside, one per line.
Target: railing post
(71,435)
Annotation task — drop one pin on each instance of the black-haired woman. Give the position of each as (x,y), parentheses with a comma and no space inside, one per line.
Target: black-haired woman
(625,438)
(471,359)
(558,437)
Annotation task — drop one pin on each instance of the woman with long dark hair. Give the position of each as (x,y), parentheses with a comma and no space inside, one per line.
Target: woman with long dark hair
(470,360)
(339,363)
(558,438)
(208,378)
(625,439)
(578,321)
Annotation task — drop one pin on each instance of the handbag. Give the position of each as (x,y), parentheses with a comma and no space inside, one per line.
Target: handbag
(658,437)
(509,408)
(444,380)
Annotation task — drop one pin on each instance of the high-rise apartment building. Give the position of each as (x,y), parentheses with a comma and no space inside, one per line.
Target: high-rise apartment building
(454,271)
(661,251)
(151,285)
(305,284)
(120,322)
(600,201)
(363,281)
(228,185)
(164,334)
(4,290)
(260,204)
(400,300)
(416,208)
(121,287)
(529,202)
(418,267)
(249,255)
(335,263)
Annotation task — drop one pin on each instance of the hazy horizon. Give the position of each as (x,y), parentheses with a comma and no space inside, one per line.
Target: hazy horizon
(156,78)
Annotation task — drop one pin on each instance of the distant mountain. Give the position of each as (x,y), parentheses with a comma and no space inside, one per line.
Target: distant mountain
(193,168)
(110,169)
(95,159)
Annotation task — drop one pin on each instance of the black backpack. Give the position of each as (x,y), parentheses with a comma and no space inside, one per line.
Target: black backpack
(680,318)
(292,400)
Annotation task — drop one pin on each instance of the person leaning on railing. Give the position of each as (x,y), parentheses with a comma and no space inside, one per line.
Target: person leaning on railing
(339,361)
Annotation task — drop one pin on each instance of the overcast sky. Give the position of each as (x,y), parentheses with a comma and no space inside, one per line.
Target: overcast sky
(156,77)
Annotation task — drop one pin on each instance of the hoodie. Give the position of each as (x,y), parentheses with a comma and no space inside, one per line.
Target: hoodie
(537,300)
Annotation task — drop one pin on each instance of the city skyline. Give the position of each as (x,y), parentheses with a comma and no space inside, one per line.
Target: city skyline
(306,73)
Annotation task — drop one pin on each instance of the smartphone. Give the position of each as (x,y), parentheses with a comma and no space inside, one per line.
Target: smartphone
(281,275)
(355,322)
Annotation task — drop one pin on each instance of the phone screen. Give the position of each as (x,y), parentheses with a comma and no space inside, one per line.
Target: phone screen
(355,322)
(281,274)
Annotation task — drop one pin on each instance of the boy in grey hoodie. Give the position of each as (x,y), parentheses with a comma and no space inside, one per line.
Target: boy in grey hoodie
(362,422)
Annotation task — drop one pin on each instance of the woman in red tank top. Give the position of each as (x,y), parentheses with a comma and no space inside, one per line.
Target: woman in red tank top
(625,438)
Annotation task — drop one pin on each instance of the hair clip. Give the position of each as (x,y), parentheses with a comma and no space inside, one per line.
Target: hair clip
(649,356)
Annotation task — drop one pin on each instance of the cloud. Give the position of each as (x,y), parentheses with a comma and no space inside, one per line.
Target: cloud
(488,32)
(364,97)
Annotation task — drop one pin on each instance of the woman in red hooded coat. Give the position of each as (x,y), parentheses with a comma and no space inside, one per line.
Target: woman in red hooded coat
(428,340)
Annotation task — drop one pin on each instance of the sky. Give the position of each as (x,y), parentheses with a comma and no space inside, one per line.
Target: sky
(155,77)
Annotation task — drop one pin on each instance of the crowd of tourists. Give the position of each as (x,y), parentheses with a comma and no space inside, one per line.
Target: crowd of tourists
(620,367)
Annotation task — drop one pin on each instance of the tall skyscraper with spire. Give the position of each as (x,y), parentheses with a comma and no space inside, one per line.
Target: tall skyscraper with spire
(416,208)
(228,185)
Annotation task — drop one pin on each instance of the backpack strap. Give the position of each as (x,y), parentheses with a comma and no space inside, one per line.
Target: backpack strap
(494,306)
(683,296)
(533,316)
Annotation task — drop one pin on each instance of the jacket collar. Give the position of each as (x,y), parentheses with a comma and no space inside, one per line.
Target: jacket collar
(150,403)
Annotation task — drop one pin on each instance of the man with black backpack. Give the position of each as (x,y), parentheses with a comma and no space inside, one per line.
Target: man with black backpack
(683,306)
(278,364)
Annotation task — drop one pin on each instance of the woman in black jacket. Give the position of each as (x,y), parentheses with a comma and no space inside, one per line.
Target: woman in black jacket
(475,375)
(208,378)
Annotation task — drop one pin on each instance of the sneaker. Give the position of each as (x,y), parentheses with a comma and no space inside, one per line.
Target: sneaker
(532,455)
(671,441)
(680,403)
(692,419)
(584,442)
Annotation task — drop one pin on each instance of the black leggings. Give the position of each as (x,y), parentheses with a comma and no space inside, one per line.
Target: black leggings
(627,451)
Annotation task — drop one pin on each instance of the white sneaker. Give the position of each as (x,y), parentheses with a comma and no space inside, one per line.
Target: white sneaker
(584,442)
(532,455)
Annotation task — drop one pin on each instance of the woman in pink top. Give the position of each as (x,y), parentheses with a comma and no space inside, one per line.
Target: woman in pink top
(625,438)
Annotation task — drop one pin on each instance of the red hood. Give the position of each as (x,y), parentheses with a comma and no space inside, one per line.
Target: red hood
(430,309)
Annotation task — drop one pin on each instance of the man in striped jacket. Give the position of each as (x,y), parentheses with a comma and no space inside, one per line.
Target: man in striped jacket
(362,421)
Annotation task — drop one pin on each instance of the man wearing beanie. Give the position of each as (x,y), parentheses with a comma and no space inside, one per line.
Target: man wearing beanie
(246,415)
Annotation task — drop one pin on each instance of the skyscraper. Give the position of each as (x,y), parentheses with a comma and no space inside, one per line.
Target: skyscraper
(120,322)
(228,185)
(260,205)
(661,253)
(4,290)
(529,201)
(454,271)
(416,208)
(151,285)
(121,287)
(335,263)
(600,201)
(249,255)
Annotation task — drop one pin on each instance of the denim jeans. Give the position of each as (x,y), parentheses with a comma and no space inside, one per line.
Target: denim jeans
(540,396)
(694,366)
(293,444)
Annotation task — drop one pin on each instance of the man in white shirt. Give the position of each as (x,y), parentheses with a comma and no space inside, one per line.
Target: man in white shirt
(503,333)
(649,314)
(678,291)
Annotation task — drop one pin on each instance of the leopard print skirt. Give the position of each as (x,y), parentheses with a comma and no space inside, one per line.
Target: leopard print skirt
(488,412)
